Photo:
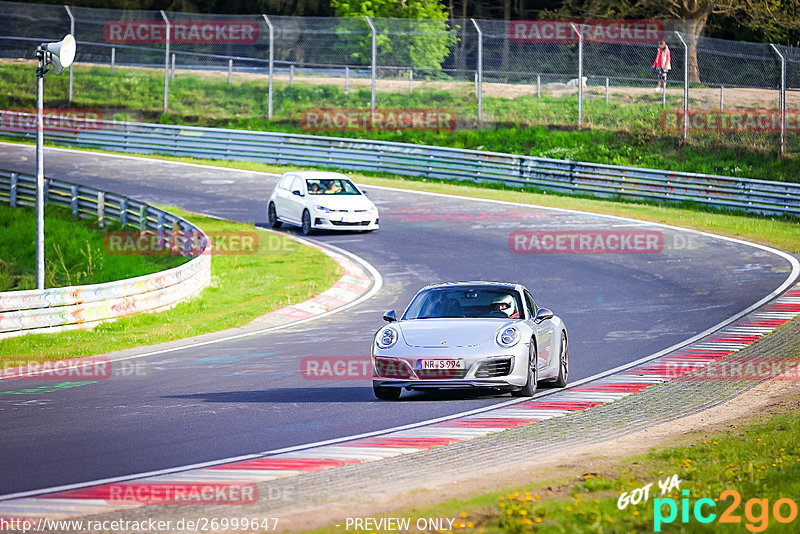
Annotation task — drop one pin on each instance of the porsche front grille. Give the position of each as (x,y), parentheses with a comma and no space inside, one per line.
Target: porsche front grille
(494,368)
(441,374)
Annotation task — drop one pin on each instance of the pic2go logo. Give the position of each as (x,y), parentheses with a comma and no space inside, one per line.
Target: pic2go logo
(756,511)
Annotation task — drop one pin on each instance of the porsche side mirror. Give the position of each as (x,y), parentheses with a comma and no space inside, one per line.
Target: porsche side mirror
(390,316)
(542,315)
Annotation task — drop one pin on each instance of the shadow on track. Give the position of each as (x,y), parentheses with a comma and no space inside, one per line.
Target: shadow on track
(332,394)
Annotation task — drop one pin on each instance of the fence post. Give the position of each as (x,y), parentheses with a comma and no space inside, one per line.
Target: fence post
(113,58)
(271,60)
(291,75)
(12,193)
(721,96)
(685,87)
(606,89)
(480,71)
(346,80)
(538,85)
(782,99)
(72,32)
(166,62)
(580,74)
(230,70)
(374,60)
(172,68)
(410,80)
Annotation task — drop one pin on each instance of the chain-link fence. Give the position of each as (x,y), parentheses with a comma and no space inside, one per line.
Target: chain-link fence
(353,74)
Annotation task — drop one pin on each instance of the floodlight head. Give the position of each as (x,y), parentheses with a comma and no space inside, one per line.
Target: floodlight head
(61,54)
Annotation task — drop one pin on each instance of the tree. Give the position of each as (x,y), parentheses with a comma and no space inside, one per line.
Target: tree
(423,40)
(773,18)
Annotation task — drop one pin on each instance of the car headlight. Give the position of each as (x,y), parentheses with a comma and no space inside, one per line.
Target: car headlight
(386,338)
(372,209)
(323,209)
(508,337)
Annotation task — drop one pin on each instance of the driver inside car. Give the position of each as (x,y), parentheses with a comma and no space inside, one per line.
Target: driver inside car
(506,305)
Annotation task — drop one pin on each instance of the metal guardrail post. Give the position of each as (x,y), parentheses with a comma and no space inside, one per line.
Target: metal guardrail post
(74,198)
(72,32)
(101,208)
(538,85)
(580,74)
(172,68)
(374,61)
(346,80)
(685,86)
(721,97)
(166,62)
(143,218)
(782,99)
(271,61)
(480,71)
(123,212)
(606,89)
(113,58)
(230,70)
(410,80)
(12,191)
(291,75)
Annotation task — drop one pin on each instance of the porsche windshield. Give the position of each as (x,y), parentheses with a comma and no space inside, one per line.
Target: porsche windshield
(466,301)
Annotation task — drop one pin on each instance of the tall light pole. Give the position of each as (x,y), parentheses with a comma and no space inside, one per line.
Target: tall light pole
(56,56)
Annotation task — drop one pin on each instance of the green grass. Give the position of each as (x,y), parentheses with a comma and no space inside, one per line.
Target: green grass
(74,251)
(627,131)
(759,459)
(243,287)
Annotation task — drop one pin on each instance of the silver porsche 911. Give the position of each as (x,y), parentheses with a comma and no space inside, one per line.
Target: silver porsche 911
(470,335)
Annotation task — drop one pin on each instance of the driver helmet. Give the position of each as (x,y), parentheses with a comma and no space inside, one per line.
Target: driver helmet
(504,303)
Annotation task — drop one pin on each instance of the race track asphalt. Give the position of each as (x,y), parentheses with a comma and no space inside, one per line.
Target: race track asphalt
(247,395)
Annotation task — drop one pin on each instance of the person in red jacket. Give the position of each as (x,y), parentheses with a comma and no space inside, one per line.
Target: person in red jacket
(662,65)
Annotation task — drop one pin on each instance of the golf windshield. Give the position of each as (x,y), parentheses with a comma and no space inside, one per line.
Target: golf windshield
(472,301)
(331,186)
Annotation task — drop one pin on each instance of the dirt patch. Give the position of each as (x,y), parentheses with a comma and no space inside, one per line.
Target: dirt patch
(766,399)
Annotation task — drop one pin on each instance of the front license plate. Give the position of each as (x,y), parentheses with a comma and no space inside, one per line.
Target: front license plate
(441,364)
(350,218)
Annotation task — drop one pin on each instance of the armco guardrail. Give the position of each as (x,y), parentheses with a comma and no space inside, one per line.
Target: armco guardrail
(56,309)
(428,161)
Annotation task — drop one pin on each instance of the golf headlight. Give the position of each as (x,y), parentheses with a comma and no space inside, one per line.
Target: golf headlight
(508,337)
(323,209)
(386,338)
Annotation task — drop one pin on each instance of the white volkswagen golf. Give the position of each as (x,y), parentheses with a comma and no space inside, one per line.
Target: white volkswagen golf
(320,200)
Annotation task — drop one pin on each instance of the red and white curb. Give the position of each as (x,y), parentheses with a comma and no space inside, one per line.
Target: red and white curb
(413,438)
(353,284)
